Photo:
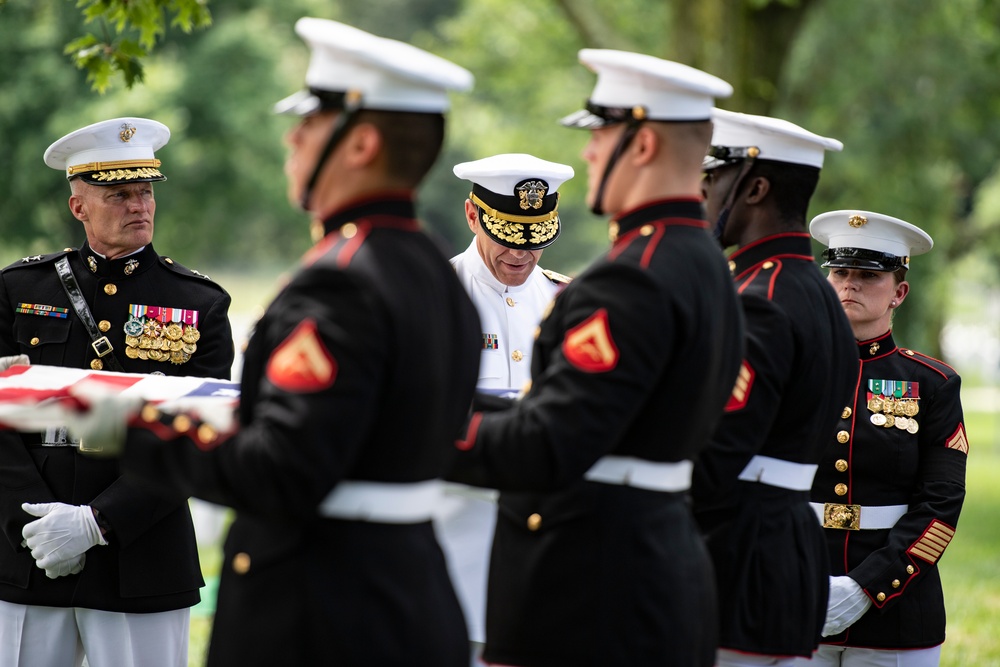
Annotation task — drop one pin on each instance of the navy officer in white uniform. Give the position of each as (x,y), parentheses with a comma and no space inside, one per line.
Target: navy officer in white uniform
(513,213)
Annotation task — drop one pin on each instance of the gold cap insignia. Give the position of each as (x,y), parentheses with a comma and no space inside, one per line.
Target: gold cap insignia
(531,194)
(128,131)
(857,221)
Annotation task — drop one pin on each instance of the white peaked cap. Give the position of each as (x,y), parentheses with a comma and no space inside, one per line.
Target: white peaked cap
(665,90)
(502,173)
(847,230)
(112,150)
(778,140)
(389,75)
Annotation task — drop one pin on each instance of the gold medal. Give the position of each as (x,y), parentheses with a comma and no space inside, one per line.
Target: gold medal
(145,342)
(174,331)
(875,404)
(176,345)
(912,408)
(899,408)
(143,354)
(191,334)
(132,341)
(154,355)
(912,427)
(878,419)
(177,358)
(189,348)
(890,420)
(152,328)
(132,352)
(888,405)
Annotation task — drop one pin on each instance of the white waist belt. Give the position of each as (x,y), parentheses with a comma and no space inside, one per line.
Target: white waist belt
(642,474)
(858,517)
(382,502)
(778,472)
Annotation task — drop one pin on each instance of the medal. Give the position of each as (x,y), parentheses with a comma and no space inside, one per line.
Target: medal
(174,331)
(902,423)
(191,334)
(878,419)
(133,327)
(132,352)
(912,426)
(912,408)
(875,404)
(890,421)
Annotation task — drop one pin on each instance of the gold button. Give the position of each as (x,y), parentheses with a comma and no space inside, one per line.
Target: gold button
(538,332)
(35,341)
(97,364)
(843,437)
(840,489)
(510,301)
(104,325)
(768,265)
(840,465)
(182,423)
(895,583)
(909,569)
(149,413)
(68,249)
(732,266)
(516,355)
(646,230)
(207,434)
(168,260)
(846,413)
(526,388)
(909,352)
(241,563)
(534,522)
(880,597)
(349,231)
(110,289)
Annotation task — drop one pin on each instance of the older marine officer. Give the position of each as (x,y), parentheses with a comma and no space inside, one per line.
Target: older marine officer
(107,568)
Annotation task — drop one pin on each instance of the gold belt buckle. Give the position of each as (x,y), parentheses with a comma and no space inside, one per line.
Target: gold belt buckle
(842,517)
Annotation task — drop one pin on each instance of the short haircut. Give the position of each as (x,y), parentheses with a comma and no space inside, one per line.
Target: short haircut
(792,186)
(412,141)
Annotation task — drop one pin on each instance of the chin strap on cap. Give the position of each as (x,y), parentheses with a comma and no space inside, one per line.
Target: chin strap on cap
(352,105)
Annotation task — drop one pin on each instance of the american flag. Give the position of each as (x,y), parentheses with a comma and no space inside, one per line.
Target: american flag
(33,398)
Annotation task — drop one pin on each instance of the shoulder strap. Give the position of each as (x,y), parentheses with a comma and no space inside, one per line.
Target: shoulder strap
(100,342)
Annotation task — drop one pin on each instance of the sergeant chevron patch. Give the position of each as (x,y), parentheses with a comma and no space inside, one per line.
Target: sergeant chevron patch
(302,364)
(933,542)
(589,345)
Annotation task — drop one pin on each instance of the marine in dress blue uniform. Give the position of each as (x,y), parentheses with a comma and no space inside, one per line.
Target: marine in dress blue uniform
(890,487)
(751,485)
(355,383)
(596,557)
(513,213)
(152,315)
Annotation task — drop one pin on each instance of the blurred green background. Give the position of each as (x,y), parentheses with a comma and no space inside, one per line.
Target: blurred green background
(909,86)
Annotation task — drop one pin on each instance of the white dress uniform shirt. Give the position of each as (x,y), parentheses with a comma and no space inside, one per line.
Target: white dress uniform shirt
(509,317)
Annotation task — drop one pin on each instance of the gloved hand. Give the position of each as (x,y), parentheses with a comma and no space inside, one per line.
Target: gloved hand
(16,360)
(62,568)
(847,604)
(62,533)
(102,428)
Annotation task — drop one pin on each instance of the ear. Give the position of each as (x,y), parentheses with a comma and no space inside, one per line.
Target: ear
(78,208)
(645,145)
(757,190)
(364,145)
(902,289)
(471,215)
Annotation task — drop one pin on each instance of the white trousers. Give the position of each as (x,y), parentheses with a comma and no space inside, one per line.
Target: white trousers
(726,658)
(848,656)
(32,636)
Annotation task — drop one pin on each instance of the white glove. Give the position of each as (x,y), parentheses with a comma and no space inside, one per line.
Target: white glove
(62,533)
(16,360)
(62,568)
(847,604)
(102,428)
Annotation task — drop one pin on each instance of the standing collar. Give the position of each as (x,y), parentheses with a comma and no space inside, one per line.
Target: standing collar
(685,210)
(394,204)
(120,268)
(785,245)
(876,348)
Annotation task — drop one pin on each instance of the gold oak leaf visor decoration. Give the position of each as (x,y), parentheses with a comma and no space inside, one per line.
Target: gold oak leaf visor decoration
(528,219)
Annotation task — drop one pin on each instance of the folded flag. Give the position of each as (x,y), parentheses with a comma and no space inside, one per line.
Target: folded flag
(33,398)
